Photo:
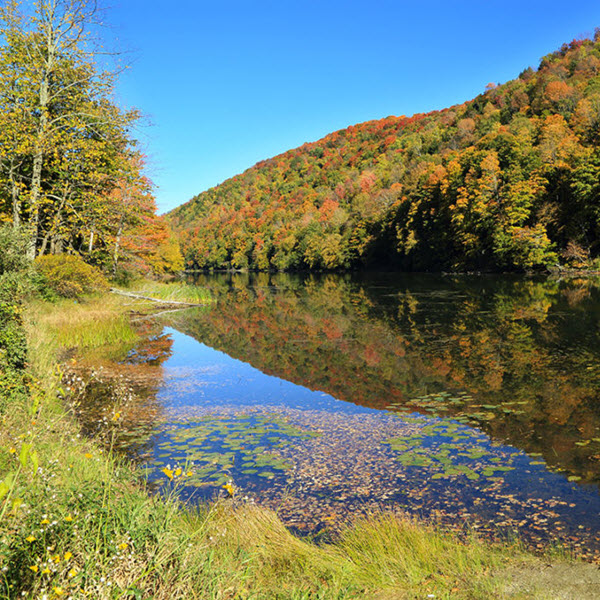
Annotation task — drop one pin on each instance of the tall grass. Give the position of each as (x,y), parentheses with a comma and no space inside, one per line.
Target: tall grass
(84,526)
(100,323)
(171,291)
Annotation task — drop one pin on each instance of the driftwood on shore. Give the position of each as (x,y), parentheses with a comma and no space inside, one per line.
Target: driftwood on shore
(160,301)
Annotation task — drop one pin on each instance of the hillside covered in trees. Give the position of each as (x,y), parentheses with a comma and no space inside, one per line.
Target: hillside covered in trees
(508,181)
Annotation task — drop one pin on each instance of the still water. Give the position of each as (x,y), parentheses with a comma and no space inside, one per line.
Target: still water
(467,400)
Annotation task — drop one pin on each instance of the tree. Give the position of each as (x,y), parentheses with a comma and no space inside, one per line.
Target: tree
(70,134)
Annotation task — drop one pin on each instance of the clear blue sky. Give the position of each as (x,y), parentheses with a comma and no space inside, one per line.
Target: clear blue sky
(227,83)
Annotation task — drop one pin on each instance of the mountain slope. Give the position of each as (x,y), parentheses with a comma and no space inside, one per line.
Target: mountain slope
(509,180)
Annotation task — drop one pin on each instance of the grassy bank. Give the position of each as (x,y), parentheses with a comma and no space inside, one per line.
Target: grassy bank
(75,521)
(169,292)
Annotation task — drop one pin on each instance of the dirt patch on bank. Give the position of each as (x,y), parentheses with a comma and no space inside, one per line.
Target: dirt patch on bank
(552,581)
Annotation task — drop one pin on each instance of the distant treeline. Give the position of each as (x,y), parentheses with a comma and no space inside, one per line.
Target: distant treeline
(509,180)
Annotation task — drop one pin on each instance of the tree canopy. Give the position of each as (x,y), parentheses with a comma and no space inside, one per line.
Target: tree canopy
(70,172)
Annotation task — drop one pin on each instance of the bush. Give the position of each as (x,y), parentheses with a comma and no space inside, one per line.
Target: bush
(13,345)
(14,244)
(13,350)
(68,276)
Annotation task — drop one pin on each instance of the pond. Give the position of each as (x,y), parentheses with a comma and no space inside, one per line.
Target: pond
(467,400)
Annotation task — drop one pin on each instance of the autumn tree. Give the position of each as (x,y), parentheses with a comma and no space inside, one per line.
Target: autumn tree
(62,137)
(130,231)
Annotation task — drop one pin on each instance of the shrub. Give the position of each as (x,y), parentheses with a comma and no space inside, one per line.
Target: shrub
(13,346)
(69,276)
(14,243)
(13,351)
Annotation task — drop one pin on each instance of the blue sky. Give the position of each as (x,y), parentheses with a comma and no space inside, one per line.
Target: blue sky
(227,83)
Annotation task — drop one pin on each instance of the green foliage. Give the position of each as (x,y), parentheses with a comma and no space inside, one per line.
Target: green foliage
(13,347)
(69,276)
(13,343)
(69,170)
(13,249)
(507,181)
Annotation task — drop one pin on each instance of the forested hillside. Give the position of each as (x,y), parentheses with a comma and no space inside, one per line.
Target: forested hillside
(509,180)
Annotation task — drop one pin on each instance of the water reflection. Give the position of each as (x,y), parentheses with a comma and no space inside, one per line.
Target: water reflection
(518,358)
(458,398)
(114,391)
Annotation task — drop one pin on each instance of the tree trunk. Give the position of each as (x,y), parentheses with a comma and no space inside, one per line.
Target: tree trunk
(16,203)
(53,232)
(45,244)
(117,244)
(38,161)
(41,139)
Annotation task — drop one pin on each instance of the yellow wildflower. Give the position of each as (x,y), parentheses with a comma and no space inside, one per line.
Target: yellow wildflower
(34,568)
(178,472)
(56,558)
(68,555)
(189,473)
(46,571)
(58,591)
(12,450)
(116,416)
(44,521)
(68,518)
(123,546)
(72,573)
(88,455)
(168,473)
(229,488)
(30,538)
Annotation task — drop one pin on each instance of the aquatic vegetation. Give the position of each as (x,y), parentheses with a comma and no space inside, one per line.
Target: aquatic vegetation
(509,358)
(218,449)
(84,528)
(514,357)
(95,327)
(449,450)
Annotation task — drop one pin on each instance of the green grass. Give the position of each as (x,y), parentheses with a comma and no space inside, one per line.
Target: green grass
(98,325)
(172,291)
(76,522)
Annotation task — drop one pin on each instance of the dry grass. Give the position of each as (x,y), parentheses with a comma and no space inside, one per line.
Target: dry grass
(55,328)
